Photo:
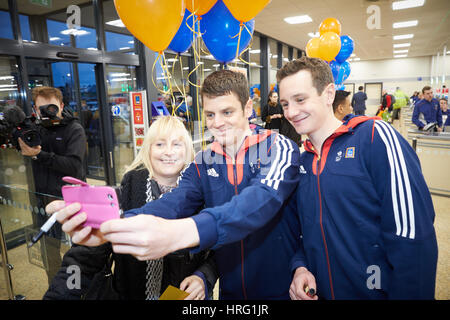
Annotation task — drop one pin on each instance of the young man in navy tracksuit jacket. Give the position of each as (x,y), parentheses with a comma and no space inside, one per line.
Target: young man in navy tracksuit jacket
(428,110)
(240,185)
(365,209)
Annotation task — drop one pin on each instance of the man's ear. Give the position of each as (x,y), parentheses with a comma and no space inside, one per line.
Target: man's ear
(248,108)
(329,93)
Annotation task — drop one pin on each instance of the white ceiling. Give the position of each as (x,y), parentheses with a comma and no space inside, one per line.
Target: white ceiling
(430,36)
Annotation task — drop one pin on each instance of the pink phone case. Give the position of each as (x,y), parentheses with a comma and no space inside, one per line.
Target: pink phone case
(99,202)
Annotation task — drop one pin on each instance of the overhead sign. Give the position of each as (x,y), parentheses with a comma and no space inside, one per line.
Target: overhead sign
(42,3)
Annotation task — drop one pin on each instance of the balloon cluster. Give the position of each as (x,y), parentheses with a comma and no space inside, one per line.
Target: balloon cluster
(333,48)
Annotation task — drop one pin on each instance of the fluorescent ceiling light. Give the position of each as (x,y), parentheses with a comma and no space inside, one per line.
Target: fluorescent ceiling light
(314,35)
(356,59)
(120,79)
(403,36)
(119,74)
(401,56)
(399,5)
(92,48)
(216,65)
(353,55)
(124,48)
(116,23)
(171,60)
(405,24)
(55,38)
(255,51)
(185,68)
(402,45)
(6,77)
(401,51)
(131,42)
(275,56)
(206,70)
(298,19)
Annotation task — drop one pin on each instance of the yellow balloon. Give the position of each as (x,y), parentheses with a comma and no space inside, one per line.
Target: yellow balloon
(312,48)
(329,46)
(330,25)
(153,22)
(244,10)
(200,7)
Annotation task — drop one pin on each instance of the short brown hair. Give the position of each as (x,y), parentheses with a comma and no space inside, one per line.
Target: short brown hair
(223,82)
(320,71)
(47,93)
(426,88)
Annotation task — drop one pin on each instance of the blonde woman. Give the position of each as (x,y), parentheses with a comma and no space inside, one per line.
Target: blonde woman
(167,149)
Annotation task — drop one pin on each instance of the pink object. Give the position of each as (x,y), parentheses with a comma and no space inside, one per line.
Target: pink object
(99,202)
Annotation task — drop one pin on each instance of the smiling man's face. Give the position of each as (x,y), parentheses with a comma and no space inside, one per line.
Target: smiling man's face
(305,109)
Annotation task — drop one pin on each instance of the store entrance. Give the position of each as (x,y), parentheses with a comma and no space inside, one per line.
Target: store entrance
(77,82)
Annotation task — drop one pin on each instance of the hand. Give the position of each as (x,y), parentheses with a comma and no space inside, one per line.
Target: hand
(148,237)
(439,129)
(302,278)
(195,286)
(73,225)
(28,151)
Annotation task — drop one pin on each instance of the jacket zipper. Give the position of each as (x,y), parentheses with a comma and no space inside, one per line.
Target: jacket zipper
(321,225)
(242,241)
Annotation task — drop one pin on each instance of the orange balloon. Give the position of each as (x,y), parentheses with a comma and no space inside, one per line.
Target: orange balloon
(312,48)
(330,25)
(243,10)
(329,46)
(200,7)
(153,22)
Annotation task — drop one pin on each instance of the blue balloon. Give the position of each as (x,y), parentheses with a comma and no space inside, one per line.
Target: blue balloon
(347,46)
(220,33)
(182,40)
(334,66)
(344,72)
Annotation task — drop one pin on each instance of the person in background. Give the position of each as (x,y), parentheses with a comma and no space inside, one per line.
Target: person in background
(445,112)
(166,150)
(365,210)
(359,102)
(62,153)
(428,110)
(415,97)
(341,104)
(401,100)
(272,113)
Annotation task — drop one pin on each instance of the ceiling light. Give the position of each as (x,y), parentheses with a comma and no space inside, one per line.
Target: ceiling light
(124,48)
(399,5)
(55,38)
(353,55)
(403,36)
(401,51)
(402,45)
(255,51)
(116,23)
(185,68)
(74,32)
(298,19)
(401,56)
(405,24)
(314,35)
(171,60)
(206,70)
(356,59)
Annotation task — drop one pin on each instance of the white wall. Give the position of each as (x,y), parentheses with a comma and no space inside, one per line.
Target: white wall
(410,74)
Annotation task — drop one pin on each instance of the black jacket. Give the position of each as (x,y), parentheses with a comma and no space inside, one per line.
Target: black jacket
(63,151)
(281,124)
(129,273)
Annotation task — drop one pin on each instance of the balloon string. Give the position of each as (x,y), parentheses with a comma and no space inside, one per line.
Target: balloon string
(248,47)
(184,87)
(239,42)
(153,71)
(168,76)
(175,82)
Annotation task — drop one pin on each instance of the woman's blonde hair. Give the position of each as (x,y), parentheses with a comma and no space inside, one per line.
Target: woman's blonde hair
(162,127)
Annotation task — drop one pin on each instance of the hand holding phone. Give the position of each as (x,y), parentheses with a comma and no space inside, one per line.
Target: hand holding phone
(100,203)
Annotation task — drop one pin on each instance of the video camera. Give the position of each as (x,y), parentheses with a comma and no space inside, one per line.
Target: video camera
(15,124)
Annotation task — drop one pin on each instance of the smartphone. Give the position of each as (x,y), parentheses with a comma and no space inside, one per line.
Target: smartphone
(99,202)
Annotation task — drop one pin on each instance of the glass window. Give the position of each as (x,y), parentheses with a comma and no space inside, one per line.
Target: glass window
(121,80)
(118,38)
(5,21)
(273,56)
(255,74)
(66,24)
(25,27)
(9,93)
(285,56)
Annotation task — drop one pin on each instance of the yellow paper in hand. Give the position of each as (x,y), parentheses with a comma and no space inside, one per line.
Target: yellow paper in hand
(172,293)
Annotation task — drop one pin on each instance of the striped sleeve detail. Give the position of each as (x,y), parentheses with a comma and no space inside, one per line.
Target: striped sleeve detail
(402,201)
(283,160)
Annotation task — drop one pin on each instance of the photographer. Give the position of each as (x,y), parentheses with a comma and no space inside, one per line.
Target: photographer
(61,153)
